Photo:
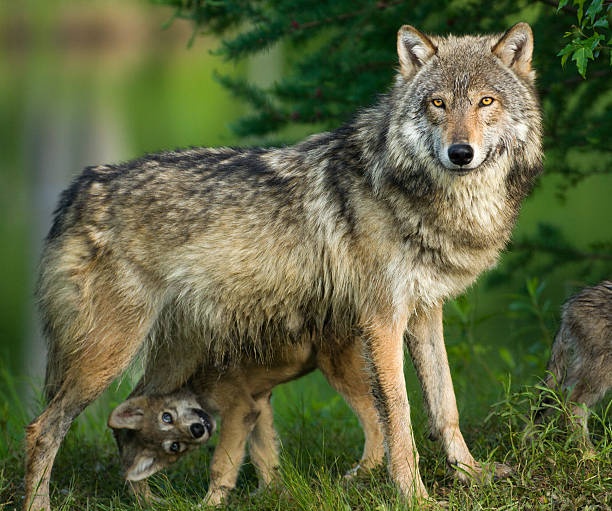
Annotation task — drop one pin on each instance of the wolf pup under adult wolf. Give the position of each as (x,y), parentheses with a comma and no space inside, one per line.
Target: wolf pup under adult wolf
(359,233)
(152,433)
(581,358)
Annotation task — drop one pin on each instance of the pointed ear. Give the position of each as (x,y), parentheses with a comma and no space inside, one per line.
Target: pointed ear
(143,466)
(129,414)
(413,50)
(515,49)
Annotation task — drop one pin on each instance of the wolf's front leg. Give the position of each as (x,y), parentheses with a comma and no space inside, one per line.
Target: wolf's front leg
(239,413)
(425,341)
(384,350)
(263,444)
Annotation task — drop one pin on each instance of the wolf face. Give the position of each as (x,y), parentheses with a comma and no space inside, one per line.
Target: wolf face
(465,100)
(159,430)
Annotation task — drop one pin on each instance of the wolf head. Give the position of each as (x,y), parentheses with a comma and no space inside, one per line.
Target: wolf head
(463,103)
(158,430)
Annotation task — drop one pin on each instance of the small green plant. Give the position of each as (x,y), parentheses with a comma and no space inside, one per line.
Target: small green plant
(533,316)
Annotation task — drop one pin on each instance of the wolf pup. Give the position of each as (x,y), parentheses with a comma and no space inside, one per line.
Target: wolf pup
(356,234)
(152,433)
(581,358)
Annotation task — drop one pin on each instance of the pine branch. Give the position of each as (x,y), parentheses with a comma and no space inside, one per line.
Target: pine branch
(344,16)
(564,252)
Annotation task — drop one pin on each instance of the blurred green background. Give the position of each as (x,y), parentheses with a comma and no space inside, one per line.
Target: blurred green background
(86,82)
(83,83)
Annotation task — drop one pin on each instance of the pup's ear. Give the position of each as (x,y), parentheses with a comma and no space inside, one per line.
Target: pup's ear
(129,414)
(413,49)
(515,49)
(143,466)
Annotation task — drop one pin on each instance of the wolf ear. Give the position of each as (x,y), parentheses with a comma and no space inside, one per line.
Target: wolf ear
(142,467)
(129,414)
(515,49)
(413,49)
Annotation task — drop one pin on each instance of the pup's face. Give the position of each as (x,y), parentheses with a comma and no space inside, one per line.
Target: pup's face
(155,431)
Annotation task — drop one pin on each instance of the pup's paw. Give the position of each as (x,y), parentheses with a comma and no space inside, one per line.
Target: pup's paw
(275,485)
(361,471)
(215,497)
(482,473)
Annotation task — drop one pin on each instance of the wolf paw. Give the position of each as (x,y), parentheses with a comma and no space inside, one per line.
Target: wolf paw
(361,471)
(355,472)
(275,485)
(214,498)
(482,473)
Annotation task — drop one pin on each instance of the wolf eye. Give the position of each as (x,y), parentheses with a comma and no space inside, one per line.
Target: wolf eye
(175,447)
(486,101)
(167,418)
(437,102)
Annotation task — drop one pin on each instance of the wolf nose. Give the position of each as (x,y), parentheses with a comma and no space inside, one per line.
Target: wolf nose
(460,154)
(197,429)
(206,419)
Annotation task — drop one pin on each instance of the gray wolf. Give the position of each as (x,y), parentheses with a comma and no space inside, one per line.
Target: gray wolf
(581,355)
(355,235)
(150,440)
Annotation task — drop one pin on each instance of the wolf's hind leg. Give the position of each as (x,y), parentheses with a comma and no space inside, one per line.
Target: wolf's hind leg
(107,349)
(583,396)
(346,371)
(426,345)
(580,424)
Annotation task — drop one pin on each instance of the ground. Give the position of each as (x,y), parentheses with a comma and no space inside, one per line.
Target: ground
(321,439)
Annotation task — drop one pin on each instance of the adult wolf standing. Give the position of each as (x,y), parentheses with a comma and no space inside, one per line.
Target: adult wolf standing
(357,235)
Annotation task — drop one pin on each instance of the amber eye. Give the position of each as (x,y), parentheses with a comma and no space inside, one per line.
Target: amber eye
(437,102)
(486,101)
(167,418)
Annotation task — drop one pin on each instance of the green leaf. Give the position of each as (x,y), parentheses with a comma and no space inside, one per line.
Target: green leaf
(562,4)
(601,22)
(580,56)
(580,4)
(507,357)
(594,9)
(567,50)
(593,41)
(532,285)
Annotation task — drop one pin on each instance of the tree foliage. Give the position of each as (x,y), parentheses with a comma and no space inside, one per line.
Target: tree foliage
(591,36)
(340,54)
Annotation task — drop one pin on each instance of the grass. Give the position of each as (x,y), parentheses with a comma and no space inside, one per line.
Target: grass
(321,440)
